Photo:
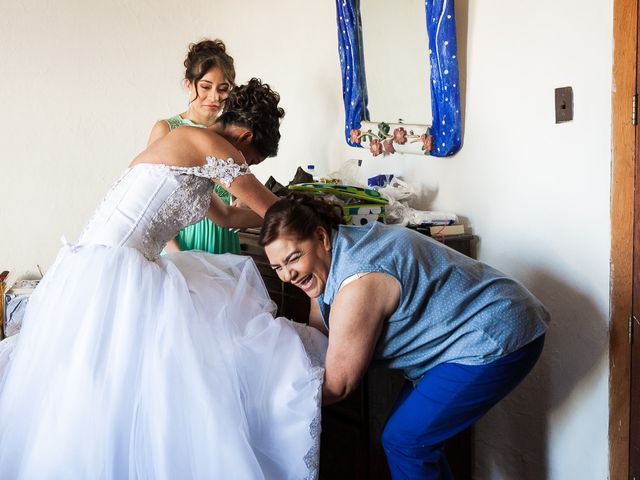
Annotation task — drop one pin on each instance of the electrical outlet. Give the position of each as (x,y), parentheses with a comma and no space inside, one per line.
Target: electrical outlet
(564,104)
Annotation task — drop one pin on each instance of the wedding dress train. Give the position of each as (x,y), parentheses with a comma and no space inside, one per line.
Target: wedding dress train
(135,365)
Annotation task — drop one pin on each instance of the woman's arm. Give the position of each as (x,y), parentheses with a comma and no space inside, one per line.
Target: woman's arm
(232,217)
(190,147)
(159,130)
(357,315)
(252,193)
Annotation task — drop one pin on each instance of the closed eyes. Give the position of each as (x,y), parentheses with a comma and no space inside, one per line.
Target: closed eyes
(293,258)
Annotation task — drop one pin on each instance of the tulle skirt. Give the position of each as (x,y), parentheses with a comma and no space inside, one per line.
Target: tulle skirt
(174,369)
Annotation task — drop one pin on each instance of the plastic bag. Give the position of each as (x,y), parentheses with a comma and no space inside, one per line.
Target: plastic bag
(398,190)
(347,174)
(400,194)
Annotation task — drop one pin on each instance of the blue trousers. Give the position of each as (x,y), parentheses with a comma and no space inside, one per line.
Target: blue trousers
(448,399)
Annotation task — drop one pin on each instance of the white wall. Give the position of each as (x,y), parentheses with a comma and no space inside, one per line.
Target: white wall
(81,90)
(537,195)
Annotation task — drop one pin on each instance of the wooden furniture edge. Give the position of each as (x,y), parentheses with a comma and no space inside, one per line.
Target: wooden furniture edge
(625,17)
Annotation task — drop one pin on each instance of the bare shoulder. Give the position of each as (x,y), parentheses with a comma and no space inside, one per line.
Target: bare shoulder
(212,144)
(188,147)
(374,292)
(205,143)
(159,130)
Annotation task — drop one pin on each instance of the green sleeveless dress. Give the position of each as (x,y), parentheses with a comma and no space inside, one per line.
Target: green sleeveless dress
(206,235)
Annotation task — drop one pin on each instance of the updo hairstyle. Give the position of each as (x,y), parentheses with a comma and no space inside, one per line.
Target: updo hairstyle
(205,55)
(299,215)
(255,106)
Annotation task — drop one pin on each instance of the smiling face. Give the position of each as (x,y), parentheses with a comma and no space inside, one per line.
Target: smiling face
(304,263)
(206,101)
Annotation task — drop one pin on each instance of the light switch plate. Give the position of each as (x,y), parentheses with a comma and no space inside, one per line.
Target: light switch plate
(564,104)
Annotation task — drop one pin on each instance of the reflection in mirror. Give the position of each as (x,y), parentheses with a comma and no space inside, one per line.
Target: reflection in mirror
(444,136)
(395,46)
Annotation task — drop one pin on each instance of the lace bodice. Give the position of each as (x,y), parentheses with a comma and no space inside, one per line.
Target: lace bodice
(151,203)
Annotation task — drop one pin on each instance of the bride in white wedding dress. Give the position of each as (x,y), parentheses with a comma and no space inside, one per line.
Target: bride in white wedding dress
(134,365)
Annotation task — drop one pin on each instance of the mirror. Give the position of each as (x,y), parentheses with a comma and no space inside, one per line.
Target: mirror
(403,42)
(442,137)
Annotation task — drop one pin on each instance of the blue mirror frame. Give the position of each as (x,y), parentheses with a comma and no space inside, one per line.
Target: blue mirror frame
(446,128)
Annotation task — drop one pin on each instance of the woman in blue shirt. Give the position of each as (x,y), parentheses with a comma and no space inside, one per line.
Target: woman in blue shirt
(463,333)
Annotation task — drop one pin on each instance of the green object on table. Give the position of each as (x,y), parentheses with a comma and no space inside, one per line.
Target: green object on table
(362,205)
(367,195)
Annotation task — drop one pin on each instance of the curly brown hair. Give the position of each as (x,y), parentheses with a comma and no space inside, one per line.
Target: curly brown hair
(205,55)
(255,106)
(299,215)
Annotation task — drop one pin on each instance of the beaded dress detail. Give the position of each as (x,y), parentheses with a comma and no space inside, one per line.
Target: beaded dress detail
(134,365)
(175,197)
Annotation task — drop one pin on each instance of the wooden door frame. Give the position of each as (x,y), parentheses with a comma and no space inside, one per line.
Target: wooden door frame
(625,28)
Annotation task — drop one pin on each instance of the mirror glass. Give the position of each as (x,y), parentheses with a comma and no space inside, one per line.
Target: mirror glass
(396,60)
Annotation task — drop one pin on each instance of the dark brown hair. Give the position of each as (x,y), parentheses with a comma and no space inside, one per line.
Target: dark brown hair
(299,215)
(205,55)
(255,106)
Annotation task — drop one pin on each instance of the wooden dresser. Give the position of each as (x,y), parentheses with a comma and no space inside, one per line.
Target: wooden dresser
(351,430)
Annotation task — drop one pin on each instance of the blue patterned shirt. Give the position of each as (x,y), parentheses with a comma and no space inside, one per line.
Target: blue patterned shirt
(452,308)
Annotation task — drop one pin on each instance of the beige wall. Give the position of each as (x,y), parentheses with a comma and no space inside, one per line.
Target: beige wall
(537,194)
(82,90)
(83,82)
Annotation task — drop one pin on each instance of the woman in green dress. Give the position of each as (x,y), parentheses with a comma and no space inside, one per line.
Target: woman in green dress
(209,77)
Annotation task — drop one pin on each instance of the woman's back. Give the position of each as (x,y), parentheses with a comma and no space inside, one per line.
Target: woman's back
(149,205)
(452,308)
(186,147)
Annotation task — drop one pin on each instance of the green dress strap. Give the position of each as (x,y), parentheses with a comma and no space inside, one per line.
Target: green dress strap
(177,121)
(206,235)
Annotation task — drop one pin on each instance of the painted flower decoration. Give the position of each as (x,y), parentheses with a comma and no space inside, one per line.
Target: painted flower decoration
(382,142)
(388,146)
(375,147)
(400,136)
(354,136)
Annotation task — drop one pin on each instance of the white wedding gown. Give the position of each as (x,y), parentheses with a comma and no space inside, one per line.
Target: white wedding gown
(132,365)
